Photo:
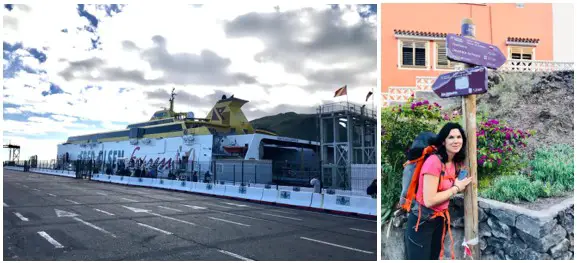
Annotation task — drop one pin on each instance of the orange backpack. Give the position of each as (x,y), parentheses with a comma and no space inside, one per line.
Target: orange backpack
(413,168)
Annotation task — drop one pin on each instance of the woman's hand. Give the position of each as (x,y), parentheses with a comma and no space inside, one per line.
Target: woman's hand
(461,184)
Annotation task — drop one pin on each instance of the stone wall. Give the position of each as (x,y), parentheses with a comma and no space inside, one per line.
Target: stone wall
(506,232)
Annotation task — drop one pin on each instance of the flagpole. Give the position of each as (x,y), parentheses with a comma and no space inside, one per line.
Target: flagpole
(373,100)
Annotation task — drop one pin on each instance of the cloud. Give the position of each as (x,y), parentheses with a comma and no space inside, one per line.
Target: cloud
(78,69)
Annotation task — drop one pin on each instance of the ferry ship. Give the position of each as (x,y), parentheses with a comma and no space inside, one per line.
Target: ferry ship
(218,144)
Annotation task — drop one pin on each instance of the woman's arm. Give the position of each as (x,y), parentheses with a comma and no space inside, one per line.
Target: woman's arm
(430,194)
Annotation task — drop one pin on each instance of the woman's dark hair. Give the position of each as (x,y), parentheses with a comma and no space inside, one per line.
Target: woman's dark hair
(442,150)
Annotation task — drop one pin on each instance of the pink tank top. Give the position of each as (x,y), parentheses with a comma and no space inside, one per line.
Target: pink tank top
(433,166)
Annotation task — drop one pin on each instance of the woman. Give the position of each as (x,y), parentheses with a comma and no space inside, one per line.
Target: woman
(429,218)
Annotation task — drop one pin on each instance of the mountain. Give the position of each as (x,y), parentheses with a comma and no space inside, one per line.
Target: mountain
(290,124)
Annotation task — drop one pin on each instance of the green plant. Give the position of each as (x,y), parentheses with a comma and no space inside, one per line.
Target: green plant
(400,125)
(554,165)
(390,190)
(514,188)
(500,148)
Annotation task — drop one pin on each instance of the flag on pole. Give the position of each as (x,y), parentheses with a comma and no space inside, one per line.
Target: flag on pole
(341,91)
(369,95)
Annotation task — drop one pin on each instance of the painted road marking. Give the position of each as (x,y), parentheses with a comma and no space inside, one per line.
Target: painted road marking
(362,230)
(99,193)
(240,215)
(284,212)
(167,198)
(154,228)
(195,207)
(25,186)
(5,205)
(168,208)
(93,226)
(35,189)
(232,222)
(74,202)
(140,210)
(50,239)
(102,211)
(51,194)
(130,200)
(336,245)
(235,255)
(292,218)
(21,217)
(222,206)
(235,204)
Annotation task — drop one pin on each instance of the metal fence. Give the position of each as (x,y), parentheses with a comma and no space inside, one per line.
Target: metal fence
(354,178)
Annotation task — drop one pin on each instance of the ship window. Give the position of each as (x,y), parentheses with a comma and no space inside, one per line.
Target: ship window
(163,129)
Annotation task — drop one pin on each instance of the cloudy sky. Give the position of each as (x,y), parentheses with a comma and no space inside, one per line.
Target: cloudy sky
(78,69)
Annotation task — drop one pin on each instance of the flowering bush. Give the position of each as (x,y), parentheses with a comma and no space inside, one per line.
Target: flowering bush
(399,127)
(499,148)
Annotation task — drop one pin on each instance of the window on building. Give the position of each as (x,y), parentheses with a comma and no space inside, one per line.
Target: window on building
(442,61)
(524,53)
(413,54)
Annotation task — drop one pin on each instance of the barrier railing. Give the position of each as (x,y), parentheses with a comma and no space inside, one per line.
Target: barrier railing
(296,196)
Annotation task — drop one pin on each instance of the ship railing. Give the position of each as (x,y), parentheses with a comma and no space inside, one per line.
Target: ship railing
(343,106)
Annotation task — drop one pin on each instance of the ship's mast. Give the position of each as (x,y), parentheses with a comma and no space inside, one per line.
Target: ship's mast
(172,101)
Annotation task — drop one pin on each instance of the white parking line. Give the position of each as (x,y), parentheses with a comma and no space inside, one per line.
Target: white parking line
(222,206)
(171,198)
(93,226)
(50,239)
(21,217)
(35,189)
(51,194)
(239,215)
(154,228)
(232,222)
(99,193)
(235,255)
(195,207)
(168,208)
(74,202)
(362,230)
(284,212)
(239,205)
(130,200)
(336,245)
(102,211)
(5,205)
(292,218)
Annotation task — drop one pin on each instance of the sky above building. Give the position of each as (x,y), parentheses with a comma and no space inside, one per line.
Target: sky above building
(79,69)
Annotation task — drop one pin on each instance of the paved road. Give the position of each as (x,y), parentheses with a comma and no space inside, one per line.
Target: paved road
(56,218)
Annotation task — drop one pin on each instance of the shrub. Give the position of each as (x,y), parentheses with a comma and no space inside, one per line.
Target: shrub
(400,125)
(499,148)
(554,165)
(514,188)
(390,190)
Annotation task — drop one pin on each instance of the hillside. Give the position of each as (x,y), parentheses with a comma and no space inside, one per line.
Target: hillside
(540,101)
(290,124)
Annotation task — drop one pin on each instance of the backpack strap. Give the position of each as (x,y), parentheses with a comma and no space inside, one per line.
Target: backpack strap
(442,171)
(412,191)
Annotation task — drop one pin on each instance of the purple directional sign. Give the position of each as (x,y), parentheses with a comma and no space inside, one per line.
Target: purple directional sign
(474,52)
(462,83)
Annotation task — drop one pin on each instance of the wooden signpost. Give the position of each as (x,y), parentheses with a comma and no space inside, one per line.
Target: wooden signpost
(472,80)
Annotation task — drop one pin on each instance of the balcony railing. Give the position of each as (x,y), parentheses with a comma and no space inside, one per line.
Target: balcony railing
(536,65)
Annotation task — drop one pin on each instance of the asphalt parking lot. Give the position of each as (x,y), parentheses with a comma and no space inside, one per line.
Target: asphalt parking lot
(56,218)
